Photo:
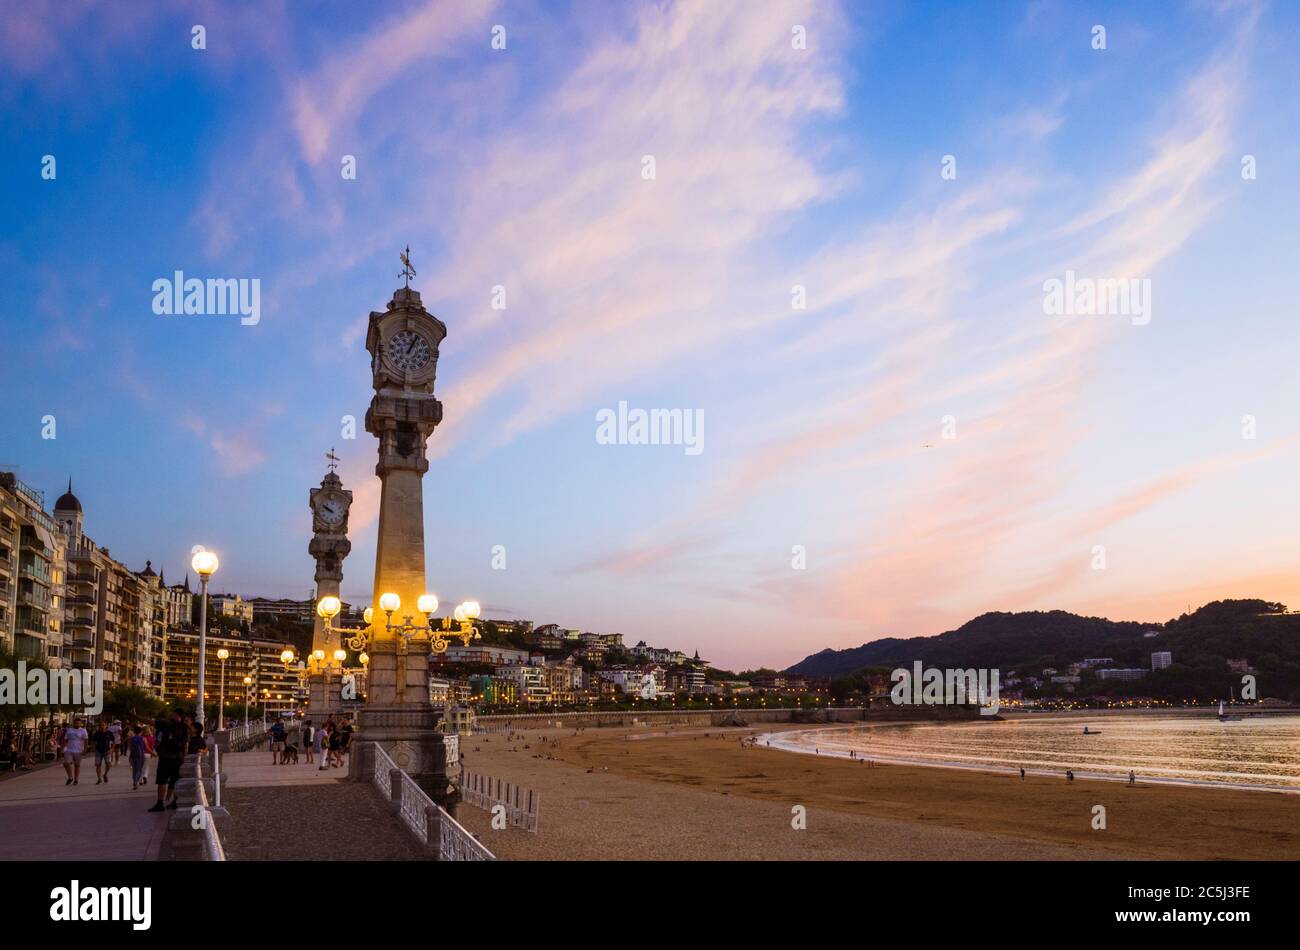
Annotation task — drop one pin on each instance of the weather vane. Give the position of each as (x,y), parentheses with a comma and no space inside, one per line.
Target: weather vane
(407,270)
(332,459)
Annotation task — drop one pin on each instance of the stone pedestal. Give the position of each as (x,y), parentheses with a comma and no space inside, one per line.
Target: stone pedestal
(323,698)
(405,731)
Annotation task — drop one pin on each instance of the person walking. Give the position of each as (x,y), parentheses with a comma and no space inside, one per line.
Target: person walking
(198,744)
(74,742)
(102,739)
(1132,778)
(317,744)
(335,747)
(169,748)
(137,755)
(308,733)
(116,730)
(345,738)
(277,741)
(146,733)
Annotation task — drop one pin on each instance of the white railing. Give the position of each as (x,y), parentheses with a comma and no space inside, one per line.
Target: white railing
(212,849)
(521,804)
(247,730)
(454,843)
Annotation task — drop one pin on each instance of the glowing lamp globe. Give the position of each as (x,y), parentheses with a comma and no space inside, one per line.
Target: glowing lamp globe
(390,602)
(318,656)
(364,658)
(427,603)
(368,615)
(286,657)
(459,613)
(340,656)
(471,609)
(223,654)
(329,607)
(204,563)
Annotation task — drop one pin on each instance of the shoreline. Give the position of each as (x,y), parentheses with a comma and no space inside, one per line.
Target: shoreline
(783,741)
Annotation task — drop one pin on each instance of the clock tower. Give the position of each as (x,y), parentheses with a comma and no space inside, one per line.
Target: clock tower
(329,546)
(403,342)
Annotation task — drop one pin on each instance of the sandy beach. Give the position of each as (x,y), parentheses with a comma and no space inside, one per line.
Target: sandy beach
(696,793)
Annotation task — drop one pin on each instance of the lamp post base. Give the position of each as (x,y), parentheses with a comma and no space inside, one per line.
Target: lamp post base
(406,732)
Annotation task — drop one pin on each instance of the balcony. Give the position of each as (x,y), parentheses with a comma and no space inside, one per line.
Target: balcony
(84,600)
(31,647)
(81,622)
(34,573)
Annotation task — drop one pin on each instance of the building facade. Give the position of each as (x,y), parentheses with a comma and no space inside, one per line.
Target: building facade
(32,568)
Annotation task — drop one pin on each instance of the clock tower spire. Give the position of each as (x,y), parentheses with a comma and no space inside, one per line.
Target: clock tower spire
(403,342)
(329,546)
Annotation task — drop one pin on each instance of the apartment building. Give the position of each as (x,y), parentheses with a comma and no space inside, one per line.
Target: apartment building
(529,682)
(276,687)
(31,573)
(113,618)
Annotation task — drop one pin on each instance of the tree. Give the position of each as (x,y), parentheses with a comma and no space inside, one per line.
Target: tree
(13,713)
(131,704)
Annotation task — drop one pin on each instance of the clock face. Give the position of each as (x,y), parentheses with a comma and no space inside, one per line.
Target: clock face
(331,511)
(408,351)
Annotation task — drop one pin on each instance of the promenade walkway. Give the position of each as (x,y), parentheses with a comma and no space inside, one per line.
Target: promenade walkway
(300,813)
(43,819)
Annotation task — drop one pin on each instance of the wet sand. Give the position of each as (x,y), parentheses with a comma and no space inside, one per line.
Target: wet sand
(696,793)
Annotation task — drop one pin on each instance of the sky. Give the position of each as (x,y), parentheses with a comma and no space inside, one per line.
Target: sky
(839,263)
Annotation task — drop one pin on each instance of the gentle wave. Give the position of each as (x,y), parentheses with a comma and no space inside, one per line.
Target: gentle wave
(1261,753)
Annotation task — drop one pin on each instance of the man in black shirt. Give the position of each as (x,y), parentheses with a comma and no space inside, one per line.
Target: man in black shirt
(102,740)
(169,746)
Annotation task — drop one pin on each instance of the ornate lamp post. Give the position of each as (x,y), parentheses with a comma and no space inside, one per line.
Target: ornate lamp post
(390,603)
(223,654)
(205,565)
(249,695)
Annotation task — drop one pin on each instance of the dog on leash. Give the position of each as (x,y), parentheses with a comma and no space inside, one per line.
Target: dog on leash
(290,753)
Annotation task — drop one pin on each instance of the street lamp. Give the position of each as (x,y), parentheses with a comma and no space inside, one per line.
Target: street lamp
(249,695)
(390,603)
(465,615)
(223,654)
(205,565)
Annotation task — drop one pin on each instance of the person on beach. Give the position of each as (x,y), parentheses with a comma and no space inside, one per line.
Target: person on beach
(103,742)
(1069,775)
(169,747)
(136,755)
(1131,777)
(1022,773)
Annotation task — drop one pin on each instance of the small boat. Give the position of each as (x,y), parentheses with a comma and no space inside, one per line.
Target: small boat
(1091,732)
(1224,717)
